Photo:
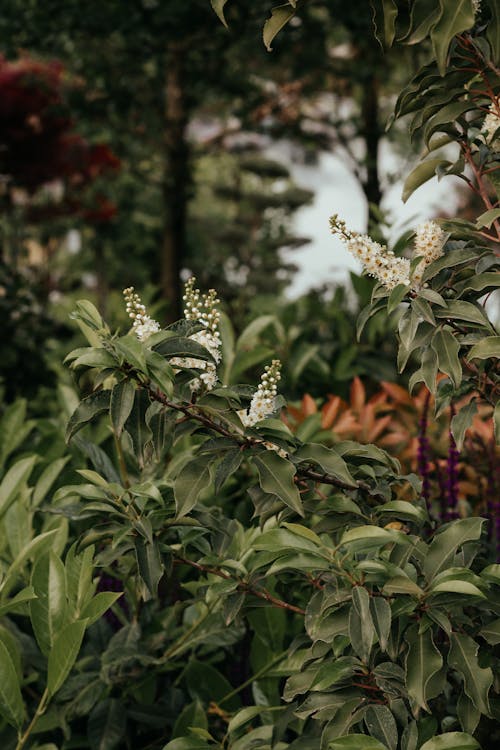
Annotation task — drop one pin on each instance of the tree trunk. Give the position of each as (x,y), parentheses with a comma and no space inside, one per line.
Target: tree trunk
(176,182)
(371,134)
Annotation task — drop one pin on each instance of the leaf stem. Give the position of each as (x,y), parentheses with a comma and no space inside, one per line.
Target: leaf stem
(39,711)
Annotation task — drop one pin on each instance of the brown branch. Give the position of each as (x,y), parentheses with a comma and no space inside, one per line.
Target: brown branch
(194,412)
(242,585)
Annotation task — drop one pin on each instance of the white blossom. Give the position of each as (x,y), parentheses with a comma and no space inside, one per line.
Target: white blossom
(379,262)
(491,124)
(201,308)
(143,326)
(429,242)
(263,400)
(476,6)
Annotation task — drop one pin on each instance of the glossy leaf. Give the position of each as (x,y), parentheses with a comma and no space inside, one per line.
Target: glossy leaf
(328,460)
(477,680)
(280,15)
(122,401)
(11,701)
(189,484)
(451,741)
(277,477)
(63,654)
(423,662)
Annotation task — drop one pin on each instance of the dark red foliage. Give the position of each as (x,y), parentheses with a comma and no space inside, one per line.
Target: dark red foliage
(37,142)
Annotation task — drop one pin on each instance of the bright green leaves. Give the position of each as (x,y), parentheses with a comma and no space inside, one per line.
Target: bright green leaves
(361,626)
(89,408)
(423,665)
(356,742)
(48,610)
(445,544)
(191,481)
(14,480)
(328,460)
(477,680)
(420,175)
(121,403)
(447,348)
(368,538)
(276,476)
(455,18)
(452,741)
(63,654)
(11,701)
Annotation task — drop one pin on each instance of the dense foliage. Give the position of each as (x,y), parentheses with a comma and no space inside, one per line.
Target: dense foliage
(222,577)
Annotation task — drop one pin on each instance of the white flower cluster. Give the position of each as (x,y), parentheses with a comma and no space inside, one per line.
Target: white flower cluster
(262,403)
(388,268)
(202,309)
(490,126)
(381,263)
(476,6)
(143,326)
(429,241)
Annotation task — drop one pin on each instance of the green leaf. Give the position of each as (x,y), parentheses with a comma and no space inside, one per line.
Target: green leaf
(403,509)
(276,476)
(332,672)
(247,714)
(35,549)
(63,654)
(11,701)
(467,713)
(381,724)
(491,632)
(48,610)
(477,680)
(456,586)
(280,15)
(367,538)
(13,481)
(487,219)
(25,595)
(132,351)
(161,373)
(385,13)
(13,426)
(488,347)
(192,715)
(462,421)
(193,478)
(47,479)
(218,6)
(423,662)
(429,368)
(106,724)
(444,545)
(180,346)
(456,17)
(402,585)
(121,403)
(493,30)
(464,311)
(381,615)
(447,348)
(417,177)
(86,411)
(451,741)
(355,742)
(328,460)
(149,563)
(98,605)
(361,627)
(285,539)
